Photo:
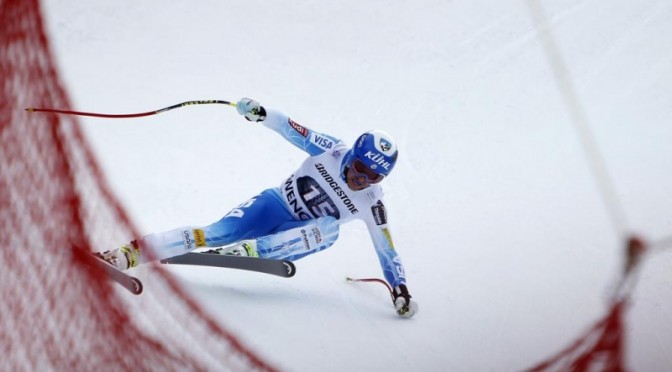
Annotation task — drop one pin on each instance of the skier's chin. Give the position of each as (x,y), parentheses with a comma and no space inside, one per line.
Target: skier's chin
(354,187)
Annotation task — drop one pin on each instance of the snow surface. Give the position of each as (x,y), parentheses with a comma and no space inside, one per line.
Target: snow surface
(509,249)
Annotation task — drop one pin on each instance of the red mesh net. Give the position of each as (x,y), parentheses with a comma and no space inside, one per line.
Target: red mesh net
(55,313)
(601,348)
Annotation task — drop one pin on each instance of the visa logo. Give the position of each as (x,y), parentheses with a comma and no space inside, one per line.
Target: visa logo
(323,142)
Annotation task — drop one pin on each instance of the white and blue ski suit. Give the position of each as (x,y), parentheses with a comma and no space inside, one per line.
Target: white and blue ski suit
(301,216)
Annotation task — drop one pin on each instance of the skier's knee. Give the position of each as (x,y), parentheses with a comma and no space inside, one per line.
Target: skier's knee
(301,240)
(317,236)
(324,232)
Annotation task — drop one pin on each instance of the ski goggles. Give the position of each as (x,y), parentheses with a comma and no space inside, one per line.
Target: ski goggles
(364,175)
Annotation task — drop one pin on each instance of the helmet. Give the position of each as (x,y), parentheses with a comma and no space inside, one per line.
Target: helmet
(376,149)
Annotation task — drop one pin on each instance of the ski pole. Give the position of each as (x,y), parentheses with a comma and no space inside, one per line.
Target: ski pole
(136,115)
(371,280)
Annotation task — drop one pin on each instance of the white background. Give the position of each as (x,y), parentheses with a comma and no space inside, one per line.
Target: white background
(508,246)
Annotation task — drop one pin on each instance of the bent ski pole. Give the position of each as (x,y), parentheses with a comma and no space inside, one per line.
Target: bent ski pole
(371,280)
(137,115)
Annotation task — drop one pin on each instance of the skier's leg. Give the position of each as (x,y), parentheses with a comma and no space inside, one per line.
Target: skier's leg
(298,239)
(261,215)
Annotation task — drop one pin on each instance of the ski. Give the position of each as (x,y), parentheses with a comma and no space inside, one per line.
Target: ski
(132,284)
(283,268)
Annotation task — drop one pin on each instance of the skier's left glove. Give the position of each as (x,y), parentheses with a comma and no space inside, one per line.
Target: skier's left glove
(251,109)
(406,307)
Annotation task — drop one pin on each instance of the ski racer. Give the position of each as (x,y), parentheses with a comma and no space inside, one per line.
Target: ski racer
(334,185)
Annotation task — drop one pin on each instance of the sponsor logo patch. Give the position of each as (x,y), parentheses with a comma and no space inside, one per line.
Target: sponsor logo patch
(297,127)
(379,214)
(199,237)
(188,243)
(388,236)
(304,237)
(385,145)
(377,160)
(323,141)
(317,235)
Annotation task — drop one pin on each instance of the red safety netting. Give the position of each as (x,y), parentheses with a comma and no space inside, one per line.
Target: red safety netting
(55,313)
(601,348)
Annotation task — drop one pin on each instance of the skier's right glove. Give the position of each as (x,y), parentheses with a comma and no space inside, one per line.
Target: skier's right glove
(251,109)
(406,307)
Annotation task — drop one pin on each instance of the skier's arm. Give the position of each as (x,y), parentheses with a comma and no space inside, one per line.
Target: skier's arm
(390,261)
(306,139)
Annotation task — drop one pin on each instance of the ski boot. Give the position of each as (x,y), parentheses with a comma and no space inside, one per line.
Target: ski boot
(122,258)
(244,248)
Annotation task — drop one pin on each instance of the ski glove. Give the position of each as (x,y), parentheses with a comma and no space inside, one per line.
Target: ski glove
(251,109)
(406,307)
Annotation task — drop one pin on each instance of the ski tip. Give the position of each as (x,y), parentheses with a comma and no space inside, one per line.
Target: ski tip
(291,269)
(137,289)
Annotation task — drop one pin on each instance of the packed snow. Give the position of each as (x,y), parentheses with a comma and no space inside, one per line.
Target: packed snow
(509,248)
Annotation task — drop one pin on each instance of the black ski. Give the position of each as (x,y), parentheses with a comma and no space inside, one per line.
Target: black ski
(283,268)
(132,284)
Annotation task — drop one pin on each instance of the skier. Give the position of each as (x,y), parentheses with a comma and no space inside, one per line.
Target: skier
(334,185)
